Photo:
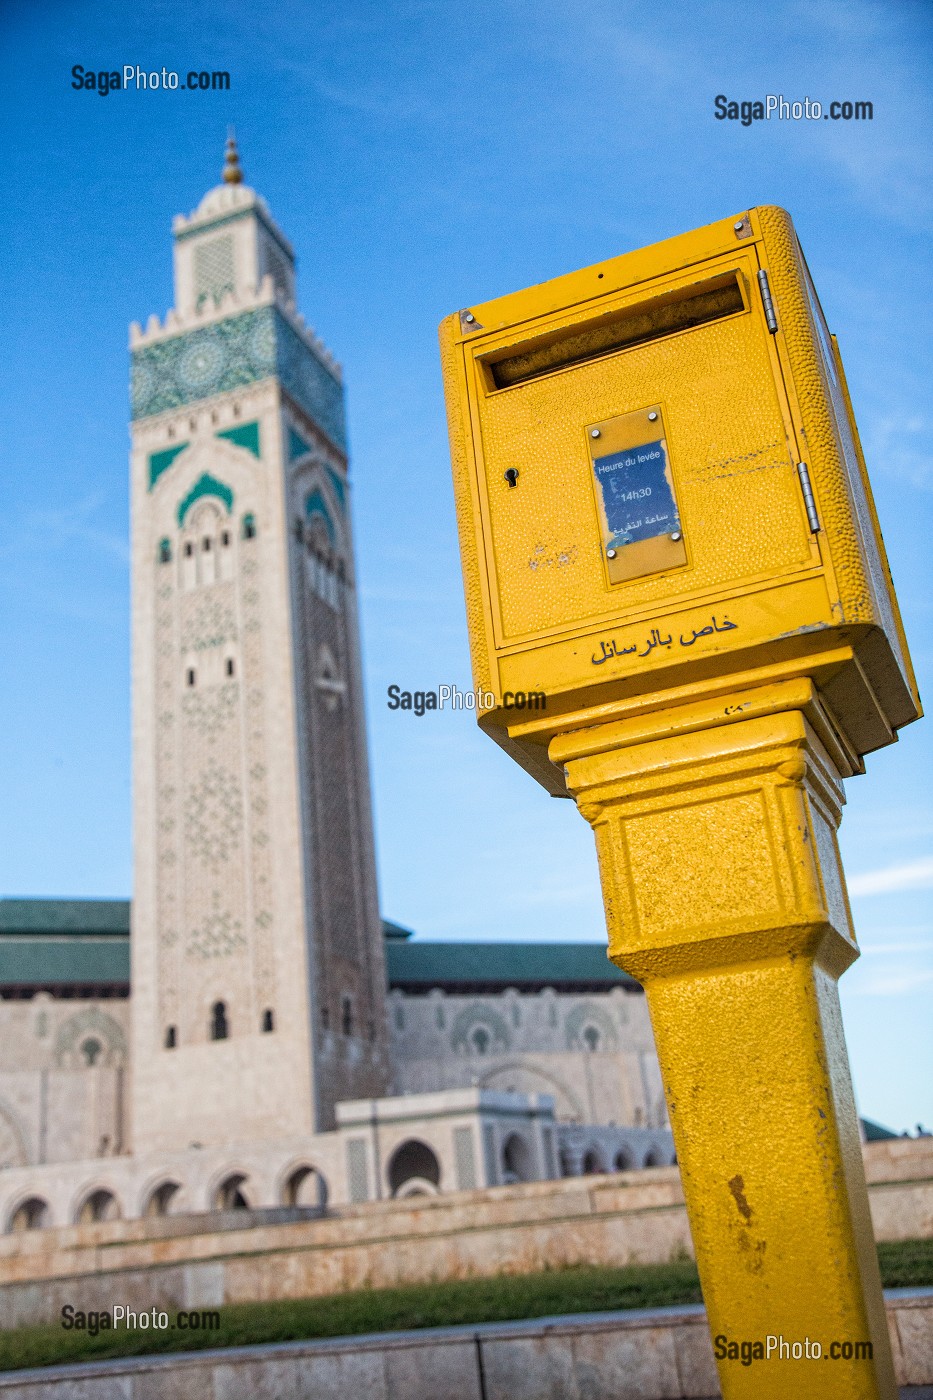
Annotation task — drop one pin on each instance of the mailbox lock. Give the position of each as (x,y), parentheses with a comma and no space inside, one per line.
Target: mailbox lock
(610,554)
(594,432)
(676,535)
(652,416)
(511,476)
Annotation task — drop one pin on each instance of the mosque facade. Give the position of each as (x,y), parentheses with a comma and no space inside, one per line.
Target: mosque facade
(251,1034)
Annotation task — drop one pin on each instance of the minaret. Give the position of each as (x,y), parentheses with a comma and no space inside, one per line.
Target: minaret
(257,959)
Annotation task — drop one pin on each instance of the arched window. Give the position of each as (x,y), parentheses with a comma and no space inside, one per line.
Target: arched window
(346,1016)
(268,1021)
(249,527)
(415,1166)
(230,1195)
(165,552)
(189,549)
(229,667)
(206,544)
(219,1028)
(591,1038)
(480,1040)
(171,1037)
(517,1161)
(592,1166)
(305,1187)
(225,538)
(31,1215)
(624,1161)
(160,1201)
(190,676)
(91,1051)
(100,1205)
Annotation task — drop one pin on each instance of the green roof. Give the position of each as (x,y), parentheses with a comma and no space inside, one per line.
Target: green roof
(874,1132)
(457,966)
(51,942)
(107,917)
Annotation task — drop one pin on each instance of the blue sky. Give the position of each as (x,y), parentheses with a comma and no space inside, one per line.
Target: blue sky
(422,156)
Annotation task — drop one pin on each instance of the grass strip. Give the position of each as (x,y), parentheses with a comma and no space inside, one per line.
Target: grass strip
(504,1298)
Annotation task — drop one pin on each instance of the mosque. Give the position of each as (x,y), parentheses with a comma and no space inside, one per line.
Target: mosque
(251,1034)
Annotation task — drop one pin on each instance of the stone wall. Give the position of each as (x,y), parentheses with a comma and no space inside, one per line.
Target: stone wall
(633,1217)
(62,1079)
(592,1052)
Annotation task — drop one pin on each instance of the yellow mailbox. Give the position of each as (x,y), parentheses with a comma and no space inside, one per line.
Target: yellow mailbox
(668,536)
(659,481)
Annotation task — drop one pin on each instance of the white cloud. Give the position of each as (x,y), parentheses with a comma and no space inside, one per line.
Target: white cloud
(912,875)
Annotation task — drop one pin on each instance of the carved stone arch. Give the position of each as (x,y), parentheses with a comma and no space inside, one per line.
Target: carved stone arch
(518,1161)
(162,1196)
(477,1020)
(594,1161)
(96,1201)
(413,1169)
(231,1188)
(585,1019)
(207,490)
(13,1149)
(318,505)
(302,1183)
(29,1211)
(85,1028)
(529,1079)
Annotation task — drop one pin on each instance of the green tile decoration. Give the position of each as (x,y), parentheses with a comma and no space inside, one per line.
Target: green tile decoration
(160,462)
(297,447)
(241,349)
(206,485)
(243,435)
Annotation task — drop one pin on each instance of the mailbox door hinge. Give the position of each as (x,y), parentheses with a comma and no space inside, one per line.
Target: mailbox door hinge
(766,301)
(812,518)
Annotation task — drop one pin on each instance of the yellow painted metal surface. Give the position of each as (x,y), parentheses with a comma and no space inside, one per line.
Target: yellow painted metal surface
(743,579)
(667,530)
(725,896)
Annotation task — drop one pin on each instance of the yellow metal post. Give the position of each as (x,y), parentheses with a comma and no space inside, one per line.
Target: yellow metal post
(668,538)
(724,896)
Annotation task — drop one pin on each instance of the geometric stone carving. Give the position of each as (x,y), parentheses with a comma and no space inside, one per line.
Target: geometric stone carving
(479,1029)
(219,936)
(90,1037)
(213,816)
(589,1027)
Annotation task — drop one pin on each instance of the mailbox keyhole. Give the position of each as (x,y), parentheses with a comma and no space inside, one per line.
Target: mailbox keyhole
(511,476)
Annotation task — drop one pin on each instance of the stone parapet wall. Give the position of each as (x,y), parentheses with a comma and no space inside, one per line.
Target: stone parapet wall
(608,1220)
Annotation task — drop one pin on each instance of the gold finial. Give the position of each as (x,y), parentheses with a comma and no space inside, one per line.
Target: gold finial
(233,175)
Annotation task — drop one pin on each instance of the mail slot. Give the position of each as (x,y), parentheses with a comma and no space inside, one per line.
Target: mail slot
(659,484)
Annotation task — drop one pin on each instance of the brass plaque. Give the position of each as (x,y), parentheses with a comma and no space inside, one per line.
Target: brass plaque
(635,500)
